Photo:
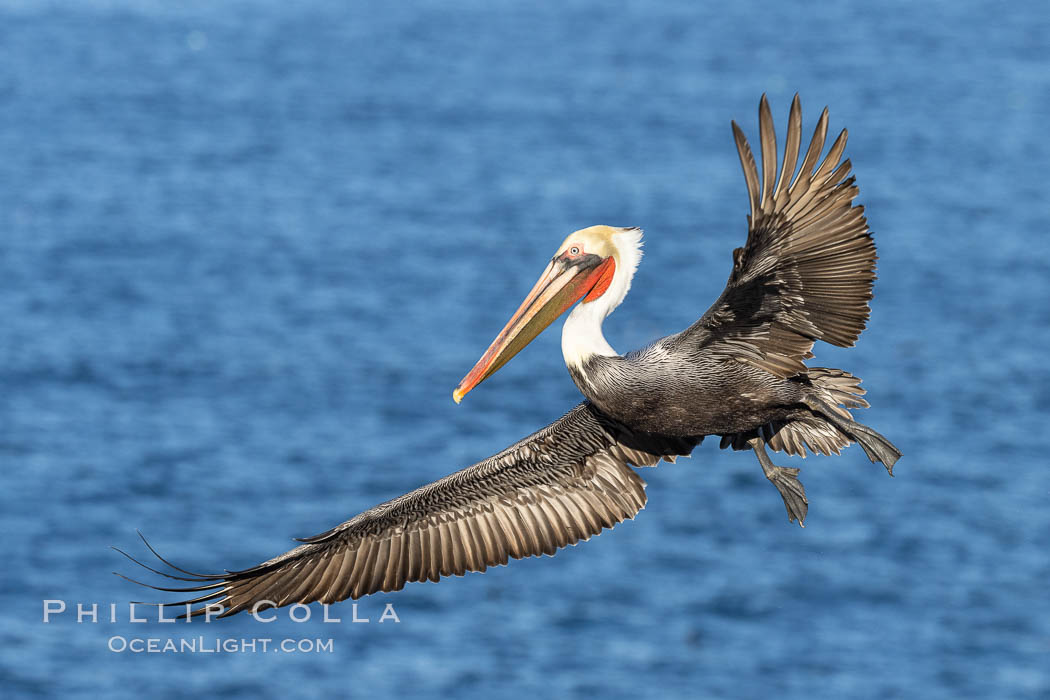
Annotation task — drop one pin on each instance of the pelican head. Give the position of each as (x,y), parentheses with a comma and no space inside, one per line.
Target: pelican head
(594,265)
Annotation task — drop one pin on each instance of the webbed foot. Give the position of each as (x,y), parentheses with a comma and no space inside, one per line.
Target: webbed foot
(791,490)
(786,481)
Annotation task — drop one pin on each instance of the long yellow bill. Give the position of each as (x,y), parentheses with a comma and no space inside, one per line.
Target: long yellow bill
(562,284)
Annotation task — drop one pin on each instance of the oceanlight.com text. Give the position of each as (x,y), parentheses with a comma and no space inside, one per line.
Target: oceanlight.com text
(219,645)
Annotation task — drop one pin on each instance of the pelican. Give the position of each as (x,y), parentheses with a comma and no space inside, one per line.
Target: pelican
(804,274)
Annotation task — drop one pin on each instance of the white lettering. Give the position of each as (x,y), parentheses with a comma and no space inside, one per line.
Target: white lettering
(211,611)
(50,608)
(389,614)
(160,615)
(258,605)
(131,615)
(325,606)
(91,612)
(291,612)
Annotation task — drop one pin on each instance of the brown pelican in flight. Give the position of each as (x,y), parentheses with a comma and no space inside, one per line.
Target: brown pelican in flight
(804,274)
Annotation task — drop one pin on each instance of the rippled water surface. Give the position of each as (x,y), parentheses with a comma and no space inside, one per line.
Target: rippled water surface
(248,249)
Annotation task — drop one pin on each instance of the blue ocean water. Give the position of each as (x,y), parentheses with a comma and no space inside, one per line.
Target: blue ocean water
(247,249)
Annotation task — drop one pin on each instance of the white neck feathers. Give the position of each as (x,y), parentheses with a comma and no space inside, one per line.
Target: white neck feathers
(581,336)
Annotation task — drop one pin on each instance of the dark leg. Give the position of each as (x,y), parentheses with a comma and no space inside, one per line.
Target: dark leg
(786,481)
(876,446)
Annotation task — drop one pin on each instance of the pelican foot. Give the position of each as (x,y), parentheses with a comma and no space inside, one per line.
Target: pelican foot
(791,490)
(786,481)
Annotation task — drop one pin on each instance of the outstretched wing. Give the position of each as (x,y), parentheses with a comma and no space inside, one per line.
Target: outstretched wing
(808,266)
(563,484)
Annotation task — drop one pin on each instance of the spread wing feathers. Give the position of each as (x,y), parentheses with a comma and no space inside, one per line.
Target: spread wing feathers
(808,266)
(838,390)
(563,484)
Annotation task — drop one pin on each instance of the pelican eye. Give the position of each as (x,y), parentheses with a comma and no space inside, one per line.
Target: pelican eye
(574,250)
